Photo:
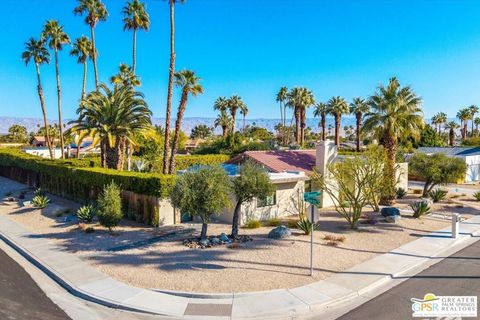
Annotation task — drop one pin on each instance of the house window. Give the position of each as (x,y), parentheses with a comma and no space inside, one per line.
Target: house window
(269,200)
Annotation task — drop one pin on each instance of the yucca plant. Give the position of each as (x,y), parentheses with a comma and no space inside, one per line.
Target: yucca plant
(39,192)
(401,193)
(420,208)
(86,213)
(306,226)
(437,195)
(476,195)
(40,201)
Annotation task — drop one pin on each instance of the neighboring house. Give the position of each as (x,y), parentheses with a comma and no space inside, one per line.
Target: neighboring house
(43,152)
(192,144)
(40,142)
(471,156)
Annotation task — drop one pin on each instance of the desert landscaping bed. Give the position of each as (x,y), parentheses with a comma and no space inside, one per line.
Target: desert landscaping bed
(156,257)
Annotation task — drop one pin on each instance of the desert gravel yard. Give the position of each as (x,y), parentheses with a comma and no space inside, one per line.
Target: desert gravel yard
(156,257)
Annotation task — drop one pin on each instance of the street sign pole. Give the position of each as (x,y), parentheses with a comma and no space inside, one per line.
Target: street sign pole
(311,240)
(313,199)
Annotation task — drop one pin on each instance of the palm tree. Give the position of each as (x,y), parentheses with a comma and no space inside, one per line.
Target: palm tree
(336,107)
(35,50)
(435,121)
(477,123)
(95,11)
(473,111)
(321,111)
(282,96)
(243,112)
(452,125)
(463,115)
(359,107)
(135,18)
(299,99)
(221,104)
(189,82)
(125,77)
(56,37)
(171,72)
(116,116)
(83,50)
(234,104)
(224,121)
(395,113)
(442,119)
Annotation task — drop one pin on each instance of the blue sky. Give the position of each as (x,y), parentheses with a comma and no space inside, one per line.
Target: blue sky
(252,47)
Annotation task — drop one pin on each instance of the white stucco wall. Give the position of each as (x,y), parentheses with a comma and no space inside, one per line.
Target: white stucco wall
(473,170)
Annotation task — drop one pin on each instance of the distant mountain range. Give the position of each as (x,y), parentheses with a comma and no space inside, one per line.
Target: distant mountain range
(32,124)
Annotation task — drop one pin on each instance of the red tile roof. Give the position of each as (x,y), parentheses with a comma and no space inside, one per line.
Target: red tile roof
(281,160)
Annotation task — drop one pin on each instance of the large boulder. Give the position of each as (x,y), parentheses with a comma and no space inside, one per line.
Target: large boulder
(279,232)
(390,211)
(393,219)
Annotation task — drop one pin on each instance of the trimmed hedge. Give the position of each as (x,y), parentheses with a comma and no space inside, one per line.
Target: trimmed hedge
(186,161)
(58,176)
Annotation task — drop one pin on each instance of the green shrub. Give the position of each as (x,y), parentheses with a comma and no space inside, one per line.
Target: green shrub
(110,206)
(273,222)
(401,193)
(306,226)
(40,201)
(86,213)
(420,208)
(476,195)
(252,224)
(437,195)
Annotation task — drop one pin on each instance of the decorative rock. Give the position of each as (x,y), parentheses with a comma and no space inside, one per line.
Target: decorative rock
(27,203)
(390,211)
(223,237)
(215,241)
(204,242)
(393,219)
(279,232)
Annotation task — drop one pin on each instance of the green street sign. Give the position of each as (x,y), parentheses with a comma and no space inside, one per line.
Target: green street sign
(312,197)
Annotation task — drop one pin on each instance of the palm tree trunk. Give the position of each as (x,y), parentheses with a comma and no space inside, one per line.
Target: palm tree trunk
(166,146)
(359,125)
(44,113)
(59,104)
(94,56)
(84,82)
(338,121)
(284,114)
(472,124)
(134,63)
(224,131)
(234,121)
(452,136)
(324,125)
(465,125)
(178,126)
(303,124)
(243,129)
(297,125)
(236,219)
(388,196)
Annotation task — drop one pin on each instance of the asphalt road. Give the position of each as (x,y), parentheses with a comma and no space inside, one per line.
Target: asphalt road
(458,274)
(20,296)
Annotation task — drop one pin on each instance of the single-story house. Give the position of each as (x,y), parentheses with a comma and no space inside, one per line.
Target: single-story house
(471,156)
(192,144)
(39,141)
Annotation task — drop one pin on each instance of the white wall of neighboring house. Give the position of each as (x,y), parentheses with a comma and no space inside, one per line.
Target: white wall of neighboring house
(473,168)
(44,153)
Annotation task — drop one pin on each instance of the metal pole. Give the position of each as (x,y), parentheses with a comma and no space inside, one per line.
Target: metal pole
(311,242)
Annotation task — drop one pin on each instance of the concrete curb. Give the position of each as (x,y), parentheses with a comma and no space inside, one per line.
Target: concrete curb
(282,303)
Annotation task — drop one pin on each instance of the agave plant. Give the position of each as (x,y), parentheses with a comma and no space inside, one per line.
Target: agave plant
(140,165)
(86,213)
(401,193)
(40,201)
(437,195)
(39,192)
(420,208)
(476,195)
(306,226)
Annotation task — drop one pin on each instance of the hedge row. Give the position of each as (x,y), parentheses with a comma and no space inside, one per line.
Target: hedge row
(62,174)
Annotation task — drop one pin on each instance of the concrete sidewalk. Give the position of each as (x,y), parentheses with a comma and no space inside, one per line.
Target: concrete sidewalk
(86,282)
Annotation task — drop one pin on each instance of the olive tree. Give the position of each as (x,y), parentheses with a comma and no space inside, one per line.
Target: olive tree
(202,193)
(436,169)
(252,182)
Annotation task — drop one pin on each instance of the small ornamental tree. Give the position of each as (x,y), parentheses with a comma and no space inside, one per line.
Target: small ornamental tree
(437,169)
(252,182)
(110,206)
(202,193)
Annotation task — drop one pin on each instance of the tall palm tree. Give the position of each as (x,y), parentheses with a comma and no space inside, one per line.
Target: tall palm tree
(321,111)
(171,72)
(116,116)
(337,106)
(463,115)
(299,99)
(442,119)
(135,18)
(224,121)
(126,77)
(95,11)
(243,112)
(83,50)
(473,111)
(477,123)
(56,37)
(189,82)
(359,107)
(221,104)
(395,113)
(435,122)
(234,104)
(35,51)
(282,96)
(452,125)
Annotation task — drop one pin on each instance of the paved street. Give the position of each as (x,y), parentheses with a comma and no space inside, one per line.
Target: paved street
(20,297)
(458,274)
